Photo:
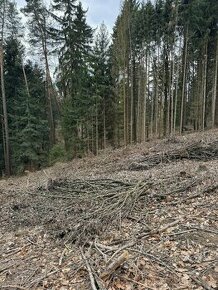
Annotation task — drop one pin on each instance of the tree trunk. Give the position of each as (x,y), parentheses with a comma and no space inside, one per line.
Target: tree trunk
(104,125)
(125,112)
(172,91)
(185,51)
(169,97)
(5,117)
(139,104)
(166,90)
(157,93)
(214,100)
(49,89)
(96,130)
(49,98)
(4,101)
(144,108)
(204,85)
(176,89)
(133,104)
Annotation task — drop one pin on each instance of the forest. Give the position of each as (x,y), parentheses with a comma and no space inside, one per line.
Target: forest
(82,90)
(109,146)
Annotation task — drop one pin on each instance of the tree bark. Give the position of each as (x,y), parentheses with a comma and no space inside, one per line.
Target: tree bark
(157,93)
(185,51)
(204,85)
(4,100)
(145,96)
(42,28)
(214,100)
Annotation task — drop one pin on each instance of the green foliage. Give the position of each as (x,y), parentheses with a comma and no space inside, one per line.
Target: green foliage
(57,154)
(103,96)
(38,22)
(28,127)
(75,37)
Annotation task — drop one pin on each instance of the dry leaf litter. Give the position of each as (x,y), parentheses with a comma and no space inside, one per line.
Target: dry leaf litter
(140,217)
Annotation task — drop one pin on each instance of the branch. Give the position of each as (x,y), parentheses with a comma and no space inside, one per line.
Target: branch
(91,276)
(114,265)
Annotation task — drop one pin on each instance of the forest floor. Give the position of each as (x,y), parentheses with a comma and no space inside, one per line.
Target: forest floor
(140,217)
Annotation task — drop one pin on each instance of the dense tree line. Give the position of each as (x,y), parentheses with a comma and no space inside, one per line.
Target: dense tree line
(167,55)
(156,76)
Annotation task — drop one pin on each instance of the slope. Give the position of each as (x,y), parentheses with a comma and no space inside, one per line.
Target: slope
(140,217)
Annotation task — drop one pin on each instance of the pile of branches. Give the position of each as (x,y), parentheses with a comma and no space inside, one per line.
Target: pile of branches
(119,232)
(196,151)
(108,205)
(95,206)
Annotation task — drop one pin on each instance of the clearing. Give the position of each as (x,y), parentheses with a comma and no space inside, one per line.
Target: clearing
(140,217)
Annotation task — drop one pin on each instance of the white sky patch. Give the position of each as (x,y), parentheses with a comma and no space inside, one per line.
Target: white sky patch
(99,11)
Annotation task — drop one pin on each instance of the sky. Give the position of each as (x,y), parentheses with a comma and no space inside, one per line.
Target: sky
(98,11)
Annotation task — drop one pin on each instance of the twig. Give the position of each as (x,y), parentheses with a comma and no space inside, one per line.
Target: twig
(160,230)
(61,257)
(156,259)
(52,195)
(136,282)
(200,282)
(91,276)
(181,233)
(114,265)
(100,251)
(46,174)
(13,252)
(139,221)
(206,190)
(211,188)
(129,245)
(212,264)
(164,228)
(31,276)
(6,268)
(13,286)
(202,229)
(105,247)
(185,188)
(43,277)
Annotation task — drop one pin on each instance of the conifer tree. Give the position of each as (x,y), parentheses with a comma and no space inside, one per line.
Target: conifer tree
(75,37)
(28,127)
(9,28)
(102,87)
(38,23)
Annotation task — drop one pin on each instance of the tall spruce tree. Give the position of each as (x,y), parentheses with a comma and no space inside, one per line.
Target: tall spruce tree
(28,127)
(10,29)
(102,88)
(39,24)
(75,37)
